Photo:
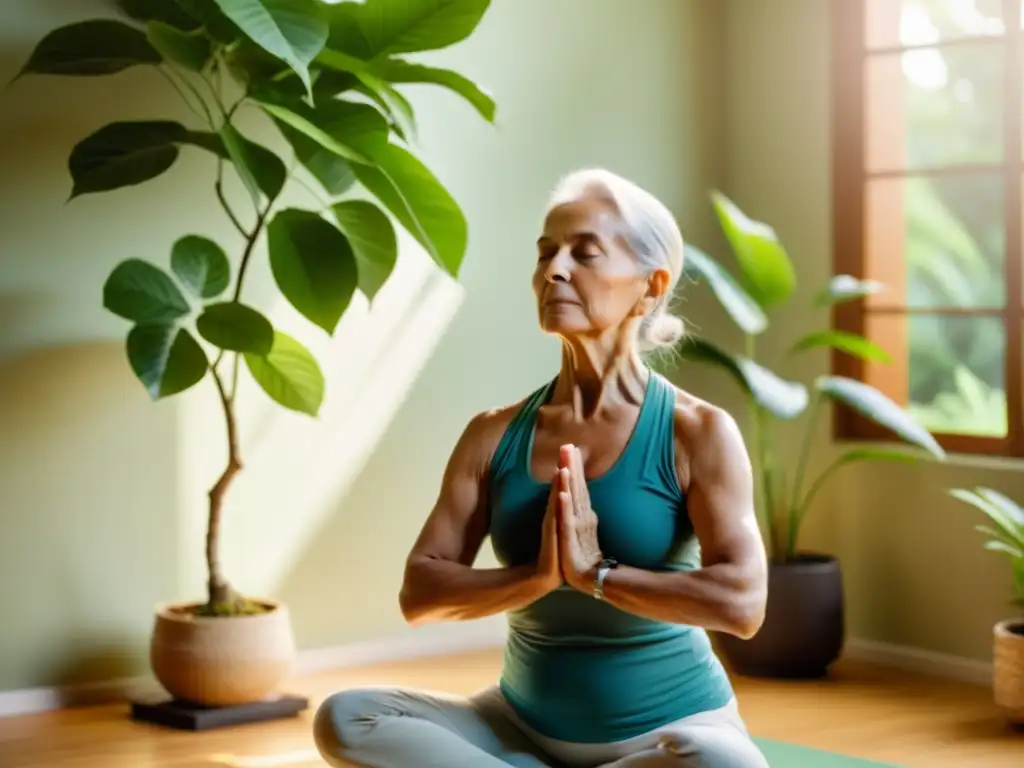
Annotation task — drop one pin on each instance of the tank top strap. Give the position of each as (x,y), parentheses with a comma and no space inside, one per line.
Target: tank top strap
(517,439)
(654,461)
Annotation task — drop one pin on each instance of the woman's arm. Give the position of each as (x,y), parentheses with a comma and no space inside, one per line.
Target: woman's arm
(440,582)
(728,592)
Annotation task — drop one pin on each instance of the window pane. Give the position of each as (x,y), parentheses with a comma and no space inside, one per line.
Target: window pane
(949,371)
(889,23)
(934,107)
(936,242)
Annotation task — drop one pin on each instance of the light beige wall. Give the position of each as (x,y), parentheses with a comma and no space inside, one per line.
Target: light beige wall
(101,492)
(915,571)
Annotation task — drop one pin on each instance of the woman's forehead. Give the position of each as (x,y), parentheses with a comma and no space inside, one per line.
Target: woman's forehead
(590,217)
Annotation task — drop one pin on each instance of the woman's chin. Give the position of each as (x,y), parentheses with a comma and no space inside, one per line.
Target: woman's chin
(559,327)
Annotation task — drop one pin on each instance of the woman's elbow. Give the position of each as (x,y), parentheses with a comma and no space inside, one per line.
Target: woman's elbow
(410,601)
(746,611)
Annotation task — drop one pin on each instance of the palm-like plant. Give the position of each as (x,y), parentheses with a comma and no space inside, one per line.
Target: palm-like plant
(766,281)
(1007,535)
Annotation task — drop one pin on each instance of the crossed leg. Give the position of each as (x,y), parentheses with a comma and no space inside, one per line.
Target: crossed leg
(385,727)
(390,727)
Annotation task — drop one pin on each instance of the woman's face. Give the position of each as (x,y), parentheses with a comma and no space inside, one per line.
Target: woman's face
(587,280)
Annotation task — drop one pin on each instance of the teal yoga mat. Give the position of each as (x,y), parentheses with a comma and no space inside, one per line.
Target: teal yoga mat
(782,755)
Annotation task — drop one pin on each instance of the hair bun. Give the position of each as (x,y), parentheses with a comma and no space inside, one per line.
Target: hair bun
(664,330)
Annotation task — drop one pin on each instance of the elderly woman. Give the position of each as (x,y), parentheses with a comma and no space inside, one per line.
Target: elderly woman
(621,511)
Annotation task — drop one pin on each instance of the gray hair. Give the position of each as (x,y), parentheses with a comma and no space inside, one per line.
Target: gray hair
(652,234)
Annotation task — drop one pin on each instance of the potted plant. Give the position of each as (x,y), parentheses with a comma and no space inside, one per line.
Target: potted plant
(1006,535)
(804,627)
(325,74)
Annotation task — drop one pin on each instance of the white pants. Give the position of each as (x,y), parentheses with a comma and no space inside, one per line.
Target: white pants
(387,727)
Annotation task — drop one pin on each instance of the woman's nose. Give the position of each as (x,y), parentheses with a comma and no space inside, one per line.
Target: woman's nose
(558,268)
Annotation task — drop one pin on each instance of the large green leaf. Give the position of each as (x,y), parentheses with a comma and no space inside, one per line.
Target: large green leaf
(124,154)
(743,310)
(256,165)
(165,358)
(143,293)
(215,23)
(1012,512)
(850,343)
(313,265)
(166,11)
(397,108)
(190,50)
(234,326)
(1007,516)
(333,172)
(843,288)
(384,27)
(420,202)
(201,265)
(767,270)
(294,31)
(400,71)
(372,236)
(260,169)
(289,374)
(784,399)
(255,69)
(876,406)
(347,129)
(86,48)
(879,454)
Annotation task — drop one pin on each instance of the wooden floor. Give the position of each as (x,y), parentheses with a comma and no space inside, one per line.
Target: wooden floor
(862,711)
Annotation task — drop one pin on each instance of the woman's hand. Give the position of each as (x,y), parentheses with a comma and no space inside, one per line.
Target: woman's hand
(577,524)
(549,563)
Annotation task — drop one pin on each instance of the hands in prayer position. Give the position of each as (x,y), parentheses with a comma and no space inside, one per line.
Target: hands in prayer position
(569,546)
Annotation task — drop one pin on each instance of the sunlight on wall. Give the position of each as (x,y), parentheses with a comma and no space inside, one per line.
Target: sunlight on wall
(297,469)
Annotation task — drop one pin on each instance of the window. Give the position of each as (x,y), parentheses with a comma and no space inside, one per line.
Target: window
(927,194)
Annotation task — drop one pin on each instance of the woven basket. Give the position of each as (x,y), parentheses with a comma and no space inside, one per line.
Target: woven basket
(1008,682)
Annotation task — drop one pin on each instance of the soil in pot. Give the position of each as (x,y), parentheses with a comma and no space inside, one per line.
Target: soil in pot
(804,625)
(1008,673)
(222,660)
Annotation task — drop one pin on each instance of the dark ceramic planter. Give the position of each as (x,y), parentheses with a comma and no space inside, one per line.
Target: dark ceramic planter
(804,625)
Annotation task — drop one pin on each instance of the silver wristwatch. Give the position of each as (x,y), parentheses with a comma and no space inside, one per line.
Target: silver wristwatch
(602,572)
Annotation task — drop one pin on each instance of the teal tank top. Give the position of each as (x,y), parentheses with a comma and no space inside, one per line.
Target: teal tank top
(578,669)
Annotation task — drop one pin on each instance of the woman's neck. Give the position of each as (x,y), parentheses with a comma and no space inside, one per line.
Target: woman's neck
(594,378)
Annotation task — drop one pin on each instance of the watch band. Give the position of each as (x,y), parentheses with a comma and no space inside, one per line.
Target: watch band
(602,573)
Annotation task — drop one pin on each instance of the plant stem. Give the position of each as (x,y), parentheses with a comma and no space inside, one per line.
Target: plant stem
(219,186)
(762,459)
(250,247)
(222,598)
(216,96)
(234,375)
(816,486)
(220,593)
(188,103)
(792,522)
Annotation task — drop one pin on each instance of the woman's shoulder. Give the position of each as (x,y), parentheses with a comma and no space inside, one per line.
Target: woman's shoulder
(702,430)
(485,429)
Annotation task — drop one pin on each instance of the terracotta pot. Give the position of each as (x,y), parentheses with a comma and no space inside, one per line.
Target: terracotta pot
(1008,675)
(804,624)
(220,661)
